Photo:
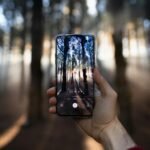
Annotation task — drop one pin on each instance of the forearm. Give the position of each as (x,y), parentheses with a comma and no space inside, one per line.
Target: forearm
(115,137)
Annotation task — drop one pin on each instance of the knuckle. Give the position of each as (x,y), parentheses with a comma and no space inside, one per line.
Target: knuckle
(114,95)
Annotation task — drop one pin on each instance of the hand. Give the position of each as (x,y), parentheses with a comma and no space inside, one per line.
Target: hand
(104,125)
(104,112)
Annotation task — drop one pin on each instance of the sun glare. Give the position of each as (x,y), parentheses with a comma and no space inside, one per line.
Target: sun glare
(91,4)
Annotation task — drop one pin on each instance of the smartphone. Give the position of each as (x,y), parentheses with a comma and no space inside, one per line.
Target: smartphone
(75,63)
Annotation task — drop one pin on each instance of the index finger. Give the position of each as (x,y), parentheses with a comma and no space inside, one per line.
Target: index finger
(51,91)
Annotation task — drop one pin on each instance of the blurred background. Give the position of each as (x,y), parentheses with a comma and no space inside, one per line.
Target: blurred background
(27,68)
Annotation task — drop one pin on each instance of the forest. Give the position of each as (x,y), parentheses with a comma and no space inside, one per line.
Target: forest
(28,33)
(75,64)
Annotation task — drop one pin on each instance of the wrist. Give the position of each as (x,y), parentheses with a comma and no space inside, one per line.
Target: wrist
(115,137)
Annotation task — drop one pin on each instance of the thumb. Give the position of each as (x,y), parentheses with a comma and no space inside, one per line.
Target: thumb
(101,83)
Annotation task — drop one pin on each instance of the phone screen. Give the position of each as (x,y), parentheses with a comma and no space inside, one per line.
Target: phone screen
(74,75)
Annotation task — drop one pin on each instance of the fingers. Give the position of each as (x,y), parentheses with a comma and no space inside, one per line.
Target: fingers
(52,109)
(52,102)
(51,91)
(102,84)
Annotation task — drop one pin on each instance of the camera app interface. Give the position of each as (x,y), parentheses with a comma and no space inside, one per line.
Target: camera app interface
(75,63)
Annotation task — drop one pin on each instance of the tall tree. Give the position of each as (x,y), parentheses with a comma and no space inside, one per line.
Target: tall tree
(147,8)
(64,65)
(71,16)
(115,7)
(35,103)
(23,33)
(84,69)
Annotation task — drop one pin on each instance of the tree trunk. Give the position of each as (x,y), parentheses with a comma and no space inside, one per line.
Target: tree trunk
(84,69)
(11,38)
(23,34)
(147,9)
(35,103)
(71,17)
(64,66)
(117,39)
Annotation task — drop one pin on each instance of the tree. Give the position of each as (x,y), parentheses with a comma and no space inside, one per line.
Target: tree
(24,30)
(64,65)
(147,9)
(114,6)
(84,69)
(35,103)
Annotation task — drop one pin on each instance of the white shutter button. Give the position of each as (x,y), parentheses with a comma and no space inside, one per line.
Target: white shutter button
(74,105)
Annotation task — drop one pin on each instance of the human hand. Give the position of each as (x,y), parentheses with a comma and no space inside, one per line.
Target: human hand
(104,112)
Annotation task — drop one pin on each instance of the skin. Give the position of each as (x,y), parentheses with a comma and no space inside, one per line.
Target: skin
(104,123)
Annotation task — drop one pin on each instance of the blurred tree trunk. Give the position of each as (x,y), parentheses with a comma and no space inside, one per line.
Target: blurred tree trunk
(11,38)
(147,15)
(1,38)
(35,103)
(23,34)
(12,31)
(71,17)
(83,15)
(147,9)
(115,7)
(118,45)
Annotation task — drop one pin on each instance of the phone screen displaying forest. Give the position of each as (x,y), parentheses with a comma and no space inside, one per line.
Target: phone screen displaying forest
(74,71)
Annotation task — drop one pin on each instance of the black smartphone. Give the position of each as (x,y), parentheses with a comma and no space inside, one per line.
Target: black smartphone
(75,63)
